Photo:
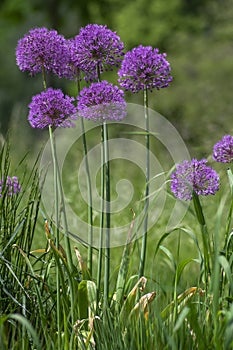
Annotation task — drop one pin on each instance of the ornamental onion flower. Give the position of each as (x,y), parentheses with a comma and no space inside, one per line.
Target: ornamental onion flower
(10,185)
(43,49)
(101,101)
(144,68)
(76,70)
(223,150)
(194,176)
(51,107)
(96,46)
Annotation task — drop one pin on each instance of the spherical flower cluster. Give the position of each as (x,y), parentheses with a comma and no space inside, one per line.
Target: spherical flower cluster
(96,46)
(76,69)
(194,176)
(43,49)
(144,68)
(102,101)
(223,150)
(10,185)
(51,107)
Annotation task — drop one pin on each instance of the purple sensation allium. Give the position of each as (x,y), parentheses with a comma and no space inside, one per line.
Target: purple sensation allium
(96,46)
(76,69)
(101,101)
(144,68)
(43,49)
(194,176)
(11,185)
(223,150)
(52,107)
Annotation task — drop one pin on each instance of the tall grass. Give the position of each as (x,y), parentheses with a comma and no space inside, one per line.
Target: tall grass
(177,304)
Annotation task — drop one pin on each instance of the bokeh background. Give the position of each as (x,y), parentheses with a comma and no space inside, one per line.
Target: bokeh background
(196,34)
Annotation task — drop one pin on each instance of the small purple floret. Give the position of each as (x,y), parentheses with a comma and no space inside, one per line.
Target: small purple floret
(223,150)
(144,68)
(10,185)
(194,176)
(52,108)
(102,101)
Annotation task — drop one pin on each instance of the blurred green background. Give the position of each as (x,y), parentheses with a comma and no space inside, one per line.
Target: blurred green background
(196,34)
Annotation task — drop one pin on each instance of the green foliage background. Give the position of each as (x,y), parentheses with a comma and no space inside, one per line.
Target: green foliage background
(196,34)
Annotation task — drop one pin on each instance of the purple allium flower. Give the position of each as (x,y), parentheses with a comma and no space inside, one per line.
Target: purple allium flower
(102,101)
(76,70)
(194,176)
(96,46)
(223,150)
(11,185)
(43,49)
(51,107)
(144,68)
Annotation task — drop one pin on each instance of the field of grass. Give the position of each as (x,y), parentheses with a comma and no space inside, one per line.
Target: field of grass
(48,304)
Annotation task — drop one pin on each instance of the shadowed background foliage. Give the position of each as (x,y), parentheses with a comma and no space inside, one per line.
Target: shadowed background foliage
(196,34)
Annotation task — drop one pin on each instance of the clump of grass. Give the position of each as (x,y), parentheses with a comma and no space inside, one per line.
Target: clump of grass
(157,311)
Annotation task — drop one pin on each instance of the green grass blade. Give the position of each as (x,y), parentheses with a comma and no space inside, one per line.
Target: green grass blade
(25,323)
(124,268)
(83,300)
(226,266)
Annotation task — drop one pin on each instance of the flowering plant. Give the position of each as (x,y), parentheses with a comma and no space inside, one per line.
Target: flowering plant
(144,68)
(42,50)
(223,150)
(194,176)
(102,101)
(11,185)
(96,47)
(51,108)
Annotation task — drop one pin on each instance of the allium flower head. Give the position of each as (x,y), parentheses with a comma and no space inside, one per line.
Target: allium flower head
(10,185)
(144,68)
(223,150)
(102,101)
(43,49)
(51,107)
(96,46)
(194,176)
(76,69)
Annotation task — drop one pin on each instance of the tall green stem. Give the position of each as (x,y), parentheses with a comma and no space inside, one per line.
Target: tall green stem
(90,212)
(105,195)
(89,190)
(146,206)
(56,198)
(102,181)
(205,235)
(108,215)
(57,187)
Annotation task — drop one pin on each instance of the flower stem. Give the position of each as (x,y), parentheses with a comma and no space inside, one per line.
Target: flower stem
(105,194)
(102,181)
(146,206)
(90,212)
(52,142)
(108,215)
(44,77)
(89,190)
(57,189)
(205,235)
